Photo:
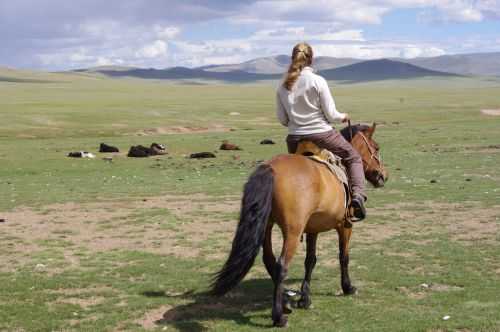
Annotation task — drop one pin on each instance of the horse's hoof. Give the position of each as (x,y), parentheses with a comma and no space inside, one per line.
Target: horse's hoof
(304,303)
(287,306)
(282,322)
(350,291)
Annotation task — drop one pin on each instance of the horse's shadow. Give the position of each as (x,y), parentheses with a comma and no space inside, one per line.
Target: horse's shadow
(238,306)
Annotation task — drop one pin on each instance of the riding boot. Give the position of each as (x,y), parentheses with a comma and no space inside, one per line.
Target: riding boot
(358,205)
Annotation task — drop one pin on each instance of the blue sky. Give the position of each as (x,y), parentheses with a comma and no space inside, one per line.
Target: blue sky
(61,34)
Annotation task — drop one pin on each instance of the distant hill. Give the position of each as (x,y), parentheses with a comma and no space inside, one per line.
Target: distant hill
(273,68)
(104,68)
(371,70)
(183,73)
(479,64)
(377,70)
(268,65)
(278,65)
(11,75)
(325,62)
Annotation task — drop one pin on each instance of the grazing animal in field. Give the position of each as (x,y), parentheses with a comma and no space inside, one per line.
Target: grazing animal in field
(81,154)
(139,151)
(229,146)
(104,148)
(267,141)
(300,196)
(201,155)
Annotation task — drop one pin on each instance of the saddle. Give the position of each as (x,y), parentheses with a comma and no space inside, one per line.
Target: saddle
(330,160)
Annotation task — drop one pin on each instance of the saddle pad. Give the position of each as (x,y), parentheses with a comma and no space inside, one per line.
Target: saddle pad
(334,164)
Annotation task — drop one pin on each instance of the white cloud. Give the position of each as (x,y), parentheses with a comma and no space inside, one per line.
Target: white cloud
(134,34)
(168,32)
(365,11)
(452,11)
(156,49)
(358,11)
(360,51)
(300,34)
(214,51)
(348,35)
(413,51)
(97,28)
(80,56)
(378,50)
(103,61)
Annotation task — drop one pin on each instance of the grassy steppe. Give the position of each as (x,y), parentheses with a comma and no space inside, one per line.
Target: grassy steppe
(99,245)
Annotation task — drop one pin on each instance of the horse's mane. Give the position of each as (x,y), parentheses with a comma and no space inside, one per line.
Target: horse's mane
(355,129)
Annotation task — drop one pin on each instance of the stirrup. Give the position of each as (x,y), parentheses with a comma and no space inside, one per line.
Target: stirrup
(358,210)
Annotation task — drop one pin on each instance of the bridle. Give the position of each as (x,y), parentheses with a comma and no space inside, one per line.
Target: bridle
(374,155)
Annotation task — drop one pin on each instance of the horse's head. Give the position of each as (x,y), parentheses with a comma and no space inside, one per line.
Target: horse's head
(364,143)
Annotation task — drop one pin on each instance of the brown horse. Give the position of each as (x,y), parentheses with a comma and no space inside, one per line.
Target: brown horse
(300,196)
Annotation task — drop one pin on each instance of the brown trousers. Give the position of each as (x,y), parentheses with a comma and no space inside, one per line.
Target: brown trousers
(335,142)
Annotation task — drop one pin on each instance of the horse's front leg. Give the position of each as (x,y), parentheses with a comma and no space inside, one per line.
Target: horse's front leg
(344,238)
(309,263)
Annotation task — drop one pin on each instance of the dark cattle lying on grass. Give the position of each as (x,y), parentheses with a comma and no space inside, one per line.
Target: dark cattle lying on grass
(267,141)
(200,155)
(104,148)
(228,146)
(140,151)
(81,154)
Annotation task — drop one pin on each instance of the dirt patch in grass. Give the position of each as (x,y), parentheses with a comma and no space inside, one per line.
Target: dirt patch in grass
(190,226)
(491,112)
(444,288)
(180,130)
(423,290)
(84,303)
(150,318)
(462,221)
(413,294)
(175,227)
(73,292)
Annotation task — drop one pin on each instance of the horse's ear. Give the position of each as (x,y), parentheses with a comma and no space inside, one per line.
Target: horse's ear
(371,130)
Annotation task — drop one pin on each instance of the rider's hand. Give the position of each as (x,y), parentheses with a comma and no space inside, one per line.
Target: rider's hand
(346,118)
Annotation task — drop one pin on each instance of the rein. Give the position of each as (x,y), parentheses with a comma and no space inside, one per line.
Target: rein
(350,129)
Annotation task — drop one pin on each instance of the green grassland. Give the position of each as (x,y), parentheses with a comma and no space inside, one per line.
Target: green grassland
(443,233)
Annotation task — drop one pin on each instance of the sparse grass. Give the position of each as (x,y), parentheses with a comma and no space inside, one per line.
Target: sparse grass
(429,130)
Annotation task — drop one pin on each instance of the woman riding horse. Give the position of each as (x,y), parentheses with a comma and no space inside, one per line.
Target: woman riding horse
(305,105)
(301,196)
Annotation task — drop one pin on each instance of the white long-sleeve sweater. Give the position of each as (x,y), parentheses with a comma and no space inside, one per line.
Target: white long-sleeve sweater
(309,107)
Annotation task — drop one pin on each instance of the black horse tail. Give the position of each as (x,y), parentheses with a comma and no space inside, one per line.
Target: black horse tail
(256,207)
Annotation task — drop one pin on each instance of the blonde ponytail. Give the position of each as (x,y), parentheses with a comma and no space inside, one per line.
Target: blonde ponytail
(302,55)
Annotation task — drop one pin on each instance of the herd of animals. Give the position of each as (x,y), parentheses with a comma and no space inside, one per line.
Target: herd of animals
(156,149)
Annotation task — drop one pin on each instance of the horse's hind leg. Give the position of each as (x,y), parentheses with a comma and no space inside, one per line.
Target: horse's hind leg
(344,238)
(309,263)
(281,268)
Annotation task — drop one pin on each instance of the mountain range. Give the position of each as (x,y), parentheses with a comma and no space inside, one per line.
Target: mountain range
(273,68)
(478,64)
(339,69)
(333,69)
